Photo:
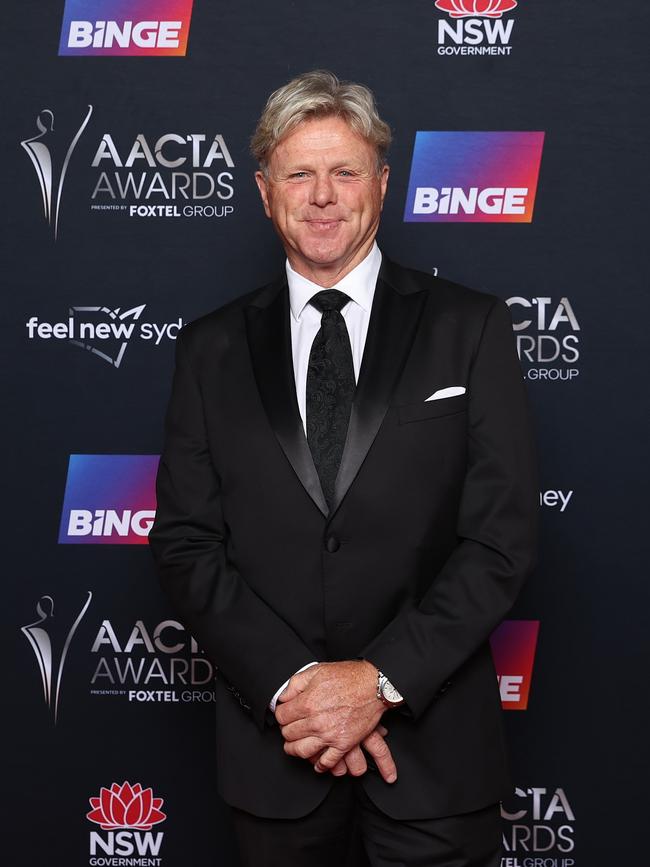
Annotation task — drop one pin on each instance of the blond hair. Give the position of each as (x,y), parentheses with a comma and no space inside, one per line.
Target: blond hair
(319,94)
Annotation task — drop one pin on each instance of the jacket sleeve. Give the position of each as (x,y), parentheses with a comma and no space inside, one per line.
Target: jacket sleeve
(251,645)
(421,648)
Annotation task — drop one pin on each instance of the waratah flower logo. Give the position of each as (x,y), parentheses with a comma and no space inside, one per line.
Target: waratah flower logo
(476,8)
(126,806)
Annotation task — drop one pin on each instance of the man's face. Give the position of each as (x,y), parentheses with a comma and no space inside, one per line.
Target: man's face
(324,196)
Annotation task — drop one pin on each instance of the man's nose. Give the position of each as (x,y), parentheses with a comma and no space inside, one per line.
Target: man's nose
(323,191)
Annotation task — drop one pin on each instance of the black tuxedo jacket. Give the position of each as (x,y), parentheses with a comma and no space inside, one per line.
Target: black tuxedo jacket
(430,536)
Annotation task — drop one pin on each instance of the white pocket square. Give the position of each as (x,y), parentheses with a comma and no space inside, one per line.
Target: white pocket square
(450,391)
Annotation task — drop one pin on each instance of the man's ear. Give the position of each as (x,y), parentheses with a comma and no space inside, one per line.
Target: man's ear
(263,187)
(383,179)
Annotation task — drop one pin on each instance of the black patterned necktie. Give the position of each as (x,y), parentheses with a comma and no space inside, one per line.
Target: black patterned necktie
(330,388)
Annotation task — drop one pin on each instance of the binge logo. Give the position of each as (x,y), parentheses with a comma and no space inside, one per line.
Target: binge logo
(513,650)
(109,500)
(474,177)
(125,27)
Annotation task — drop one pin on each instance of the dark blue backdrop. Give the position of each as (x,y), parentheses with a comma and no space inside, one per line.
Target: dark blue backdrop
(574,70)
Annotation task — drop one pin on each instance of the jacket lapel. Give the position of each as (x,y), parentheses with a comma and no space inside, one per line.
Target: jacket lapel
(395,314)
(394,318)
(269,338)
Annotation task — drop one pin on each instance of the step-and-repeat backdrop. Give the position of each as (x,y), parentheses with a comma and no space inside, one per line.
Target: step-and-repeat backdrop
(130,209)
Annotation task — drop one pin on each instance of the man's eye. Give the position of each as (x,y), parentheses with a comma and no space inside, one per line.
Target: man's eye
(298,175)
(345,173)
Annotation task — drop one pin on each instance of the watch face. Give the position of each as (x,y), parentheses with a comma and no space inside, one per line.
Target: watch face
(390,693)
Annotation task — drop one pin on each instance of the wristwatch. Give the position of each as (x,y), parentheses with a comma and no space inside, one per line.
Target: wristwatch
(386,692)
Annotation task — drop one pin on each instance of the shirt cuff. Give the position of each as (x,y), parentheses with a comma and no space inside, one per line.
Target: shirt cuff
(274,700)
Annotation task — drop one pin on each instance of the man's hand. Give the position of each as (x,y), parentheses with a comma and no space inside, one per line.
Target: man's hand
(354,762)
(330,709)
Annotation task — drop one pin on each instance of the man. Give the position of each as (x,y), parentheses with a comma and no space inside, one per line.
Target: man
(348,479)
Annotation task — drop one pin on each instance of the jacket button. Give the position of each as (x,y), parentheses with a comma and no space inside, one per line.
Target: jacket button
(332,544)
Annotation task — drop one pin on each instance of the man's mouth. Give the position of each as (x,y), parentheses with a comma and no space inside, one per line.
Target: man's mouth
(322,225)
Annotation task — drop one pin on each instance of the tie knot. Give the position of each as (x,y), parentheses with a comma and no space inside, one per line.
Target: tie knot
(329,299)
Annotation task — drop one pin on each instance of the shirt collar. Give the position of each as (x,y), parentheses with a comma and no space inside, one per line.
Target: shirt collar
(359,284)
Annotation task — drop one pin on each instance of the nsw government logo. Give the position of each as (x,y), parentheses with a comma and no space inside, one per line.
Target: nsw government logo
(126,815)
(476,27)
(109,500)
(125,27)
(474,177)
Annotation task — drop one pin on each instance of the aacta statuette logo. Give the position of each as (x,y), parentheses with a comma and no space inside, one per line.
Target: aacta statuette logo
(116,28)
(124,813)
(39,635)
(40,151)
(476,27)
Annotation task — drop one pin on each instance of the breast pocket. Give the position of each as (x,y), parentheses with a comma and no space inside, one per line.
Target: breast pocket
(408,412)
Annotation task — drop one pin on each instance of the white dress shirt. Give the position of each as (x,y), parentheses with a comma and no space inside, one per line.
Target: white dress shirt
(359,284)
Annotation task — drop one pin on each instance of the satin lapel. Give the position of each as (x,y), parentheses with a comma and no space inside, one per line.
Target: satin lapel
(393,320)
(269,338)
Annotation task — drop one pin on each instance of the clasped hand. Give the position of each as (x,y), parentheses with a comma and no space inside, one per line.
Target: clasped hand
(328,712)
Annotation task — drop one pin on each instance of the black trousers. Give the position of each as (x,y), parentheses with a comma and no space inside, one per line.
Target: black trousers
(347,830)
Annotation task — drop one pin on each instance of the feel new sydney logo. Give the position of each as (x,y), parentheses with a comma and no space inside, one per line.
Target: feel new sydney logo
(103,332)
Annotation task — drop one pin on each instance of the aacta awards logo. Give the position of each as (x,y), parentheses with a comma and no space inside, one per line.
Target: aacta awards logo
(548,337)
(51,648)
(539,828)
(476,27)
(164,175)
(160,662)
(51,157)
(149,174)
(103,332)
(126,814)
(109,500)
(513,645)
(125,27)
